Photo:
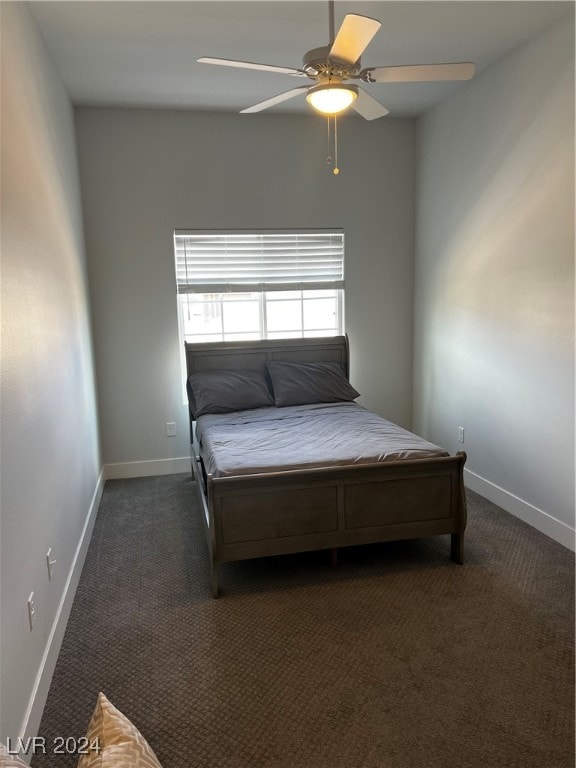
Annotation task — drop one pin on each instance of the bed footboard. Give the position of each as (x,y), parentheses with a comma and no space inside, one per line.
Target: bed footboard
(279,513)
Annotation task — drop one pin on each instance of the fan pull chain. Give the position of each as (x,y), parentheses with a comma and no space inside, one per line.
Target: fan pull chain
(336,170)
(329,158)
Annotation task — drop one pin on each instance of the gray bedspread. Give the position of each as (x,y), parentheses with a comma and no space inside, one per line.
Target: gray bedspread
(303,436)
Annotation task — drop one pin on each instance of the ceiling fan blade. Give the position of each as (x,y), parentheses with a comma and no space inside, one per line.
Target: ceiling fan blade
(369,108)
(274,100)
(251,65)
(419,73)
(353,38)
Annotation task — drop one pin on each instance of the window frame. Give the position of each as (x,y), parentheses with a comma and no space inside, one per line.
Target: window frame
(263,331)
(334,283)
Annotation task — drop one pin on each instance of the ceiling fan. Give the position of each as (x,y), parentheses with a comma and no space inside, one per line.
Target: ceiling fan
(332,67)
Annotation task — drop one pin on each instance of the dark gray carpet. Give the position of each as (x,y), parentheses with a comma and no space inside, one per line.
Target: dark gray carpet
(398,658)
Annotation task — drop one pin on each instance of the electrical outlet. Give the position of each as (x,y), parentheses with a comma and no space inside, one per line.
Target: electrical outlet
(50,563)
(170,428)
(31,611)
(460,434)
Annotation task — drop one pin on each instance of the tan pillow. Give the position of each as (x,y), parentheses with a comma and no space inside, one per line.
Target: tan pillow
(10,761)
(121,745)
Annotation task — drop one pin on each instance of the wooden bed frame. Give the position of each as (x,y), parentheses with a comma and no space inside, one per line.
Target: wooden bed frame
(258,515)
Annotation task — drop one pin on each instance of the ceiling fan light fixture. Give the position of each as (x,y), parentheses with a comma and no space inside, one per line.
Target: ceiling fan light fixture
(331,99)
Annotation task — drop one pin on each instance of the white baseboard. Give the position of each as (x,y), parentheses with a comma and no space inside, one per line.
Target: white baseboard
(33,715)
(147,468)
(537,518)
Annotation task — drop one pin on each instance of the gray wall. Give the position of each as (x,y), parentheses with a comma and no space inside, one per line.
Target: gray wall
(146,172)
(50,459)
(494,282)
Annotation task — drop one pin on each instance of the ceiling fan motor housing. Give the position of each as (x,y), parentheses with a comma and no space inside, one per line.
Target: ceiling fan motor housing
(317,62)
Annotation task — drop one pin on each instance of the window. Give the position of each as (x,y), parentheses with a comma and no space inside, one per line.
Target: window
(260,285)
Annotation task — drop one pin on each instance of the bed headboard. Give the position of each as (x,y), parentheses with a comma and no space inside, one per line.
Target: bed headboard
(253,355)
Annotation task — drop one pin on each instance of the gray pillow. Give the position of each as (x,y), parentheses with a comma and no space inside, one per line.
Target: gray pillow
(221,391)
(303,383)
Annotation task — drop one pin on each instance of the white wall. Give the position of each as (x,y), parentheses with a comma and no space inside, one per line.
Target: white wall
(50,458)
(494,283)
(146,172)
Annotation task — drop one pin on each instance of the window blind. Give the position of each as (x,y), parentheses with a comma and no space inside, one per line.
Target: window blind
(215,262)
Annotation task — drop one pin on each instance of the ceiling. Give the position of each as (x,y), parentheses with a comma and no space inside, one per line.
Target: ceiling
(143,54)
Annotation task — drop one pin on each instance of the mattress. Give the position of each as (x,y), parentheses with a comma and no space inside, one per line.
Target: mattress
(303,437)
